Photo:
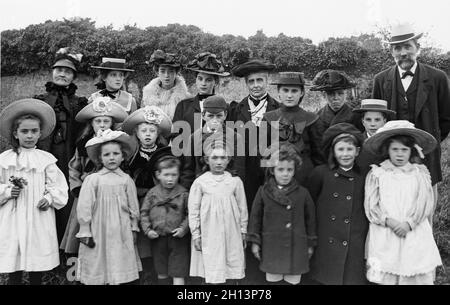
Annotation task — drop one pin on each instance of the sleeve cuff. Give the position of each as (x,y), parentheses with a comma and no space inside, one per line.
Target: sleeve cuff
(411,223)
(49,198)
(312,241)
(254,238)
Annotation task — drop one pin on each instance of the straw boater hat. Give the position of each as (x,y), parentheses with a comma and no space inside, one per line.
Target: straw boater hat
(113,64)
(400,127)
(102,106)
(27,106)
(402,33)
(289,78)
(207,63)
(252,66)
(161,58)
(66,58)
(151,115)
(375,105)
(93,145)
(331,80)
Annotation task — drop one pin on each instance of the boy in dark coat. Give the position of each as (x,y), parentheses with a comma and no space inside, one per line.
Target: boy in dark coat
(337,189)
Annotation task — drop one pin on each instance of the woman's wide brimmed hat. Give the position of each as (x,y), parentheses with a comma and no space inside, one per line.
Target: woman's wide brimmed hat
(400,127)
(331,80)
(93,146)
(102,106)
(340,129)
(161,58)
(151,115)
(113,64)
(402,33)
(207,63)
(289,78)
(66,58)
(27,106)
(252,66)
(375,105)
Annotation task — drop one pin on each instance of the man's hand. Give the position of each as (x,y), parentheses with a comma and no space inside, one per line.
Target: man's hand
(152,234)
(43,204)
(310,252)
(256,251)
(198,244)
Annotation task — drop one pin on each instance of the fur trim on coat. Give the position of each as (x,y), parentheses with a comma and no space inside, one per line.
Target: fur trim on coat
(167,100)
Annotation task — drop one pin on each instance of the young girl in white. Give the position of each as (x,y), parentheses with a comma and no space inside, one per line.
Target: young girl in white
(31,188)
(101,114)
(218,220)
(108,213)
(400,246)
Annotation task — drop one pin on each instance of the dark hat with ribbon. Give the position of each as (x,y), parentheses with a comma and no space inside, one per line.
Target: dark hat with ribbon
(340,130)
(331,80)
(161,58)
(252,66)
(207,63)
(159,155)
(66,58)
(289,78)
(113,64)
(215,104)
(402,33)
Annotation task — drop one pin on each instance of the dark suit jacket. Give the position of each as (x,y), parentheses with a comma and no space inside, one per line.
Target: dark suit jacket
(432,109)
(185,112)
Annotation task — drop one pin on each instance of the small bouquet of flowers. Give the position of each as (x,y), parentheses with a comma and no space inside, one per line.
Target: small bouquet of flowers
(20,183)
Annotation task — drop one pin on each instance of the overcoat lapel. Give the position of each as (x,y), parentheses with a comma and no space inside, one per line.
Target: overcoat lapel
(390,89)
(422,90)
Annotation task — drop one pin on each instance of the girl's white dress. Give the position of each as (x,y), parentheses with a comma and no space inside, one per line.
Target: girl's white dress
(108,211)
(218,214)
(28,240)
(405,194)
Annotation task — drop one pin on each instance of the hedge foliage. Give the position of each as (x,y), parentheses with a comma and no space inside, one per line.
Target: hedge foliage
(33,48)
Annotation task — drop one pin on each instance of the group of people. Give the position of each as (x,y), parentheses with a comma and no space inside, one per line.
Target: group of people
(342,196)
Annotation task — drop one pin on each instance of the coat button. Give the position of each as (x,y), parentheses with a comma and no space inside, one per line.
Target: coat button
(344,243)
(330,240)
(336,174)
(333,218)
(335,195)
(347,221)
(288,207)
(349,197)
(288,225)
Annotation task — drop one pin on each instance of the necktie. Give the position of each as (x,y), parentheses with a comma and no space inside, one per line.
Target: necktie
(105,92)
(255,100)
(406,73)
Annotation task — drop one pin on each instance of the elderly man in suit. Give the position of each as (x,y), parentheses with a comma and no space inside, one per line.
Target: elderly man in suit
(417,92)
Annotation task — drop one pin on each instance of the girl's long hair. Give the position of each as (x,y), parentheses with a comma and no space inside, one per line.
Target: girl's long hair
(15,126)
(405,140)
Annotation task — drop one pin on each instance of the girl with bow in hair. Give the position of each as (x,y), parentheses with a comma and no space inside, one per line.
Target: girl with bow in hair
(399,202)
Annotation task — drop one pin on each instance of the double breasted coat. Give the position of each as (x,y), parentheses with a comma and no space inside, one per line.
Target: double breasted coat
(186,110)
(432,109)
(282,222)
(341,225)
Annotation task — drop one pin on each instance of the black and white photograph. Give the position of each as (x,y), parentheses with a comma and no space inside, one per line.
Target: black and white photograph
(224,146)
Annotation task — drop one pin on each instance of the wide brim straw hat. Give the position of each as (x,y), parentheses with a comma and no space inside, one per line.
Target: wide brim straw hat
(102,106)
(400,127)
(252,66)
(375,105)
(331,80)
(207,63)
(403,32)
(27,106)
(289,78)
(93,146)
(151,115)
(113,64)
